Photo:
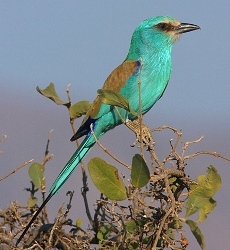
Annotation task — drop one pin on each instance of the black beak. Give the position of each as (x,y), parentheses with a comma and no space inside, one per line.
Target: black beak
(186,27)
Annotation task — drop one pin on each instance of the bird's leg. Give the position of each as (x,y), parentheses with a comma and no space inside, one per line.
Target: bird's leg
(145,136)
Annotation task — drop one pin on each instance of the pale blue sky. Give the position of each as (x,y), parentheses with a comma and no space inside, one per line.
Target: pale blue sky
(81,42)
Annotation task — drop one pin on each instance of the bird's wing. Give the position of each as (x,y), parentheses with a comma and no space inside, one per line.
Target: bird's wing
(115,81)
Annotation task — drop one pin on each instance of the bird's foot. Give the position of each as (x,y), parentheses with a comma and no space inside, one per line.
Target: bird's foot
(143,133)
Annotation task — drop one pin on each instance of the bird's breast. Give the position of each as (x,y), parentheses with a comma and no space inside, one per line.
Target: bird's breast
(147,85)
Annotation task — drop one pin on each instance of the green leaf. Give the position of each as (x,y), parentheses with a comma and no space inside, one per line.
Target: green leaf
(206,209)
(140,173)
(79,109)
(51,93)
(113,98)
(170,233)
(176,223)
(133,245)
(103,232)
(200,196)
(197,233)
(78,222)
(131,226)
(31,202)
(36,173)
(106,179)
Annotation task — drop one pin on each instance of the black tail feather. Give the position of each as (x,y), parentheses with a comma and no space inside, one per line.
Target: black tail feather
(33,218)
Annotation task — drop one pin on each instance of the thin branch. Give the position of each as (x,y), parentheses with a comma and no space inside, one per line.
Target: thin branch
(170,193)
(155,157)
(215,154)
(107,151)
(16,169)
(68,92)
(165,127)
(140,116)
(35,246)
(84,191)
(48,141)
(161,227)
(68,207)
(85,188)
(190,142)
(55,226)
(167,172)
(72,122)
(46,158)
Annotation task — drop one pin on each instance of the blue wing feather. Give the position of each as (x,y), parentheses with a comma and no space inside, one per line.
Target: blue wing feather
(84,129)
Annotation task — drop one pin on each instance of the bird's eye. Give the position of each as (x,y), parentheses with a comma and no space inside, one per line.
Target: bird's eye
(163,26)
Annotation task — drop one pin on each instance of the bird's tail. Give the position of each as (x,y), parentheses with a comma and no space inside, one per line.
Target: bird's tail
(79,154)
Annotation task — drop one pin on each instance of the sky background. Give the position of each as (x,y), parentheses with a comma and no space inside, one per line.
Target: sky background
(81,42)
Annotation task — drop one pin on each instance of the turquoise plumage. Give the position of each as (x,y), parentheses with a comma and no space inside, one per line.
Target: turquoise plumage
(149,63)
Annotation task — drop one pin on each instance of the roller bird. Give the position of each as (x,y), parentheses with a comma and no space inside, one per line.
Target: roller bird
(145,72)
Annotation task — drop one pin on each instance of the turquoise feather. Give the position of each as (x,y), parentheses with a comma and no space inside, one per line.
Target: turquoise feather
(72,163)
(148,62)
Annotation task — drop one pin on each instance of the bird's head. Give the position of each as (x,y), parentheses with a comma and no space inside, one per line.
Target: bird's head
(160,32)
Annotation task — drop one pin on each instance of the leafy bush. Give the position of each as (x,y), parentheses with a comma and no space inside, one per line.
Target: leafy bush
(147,209)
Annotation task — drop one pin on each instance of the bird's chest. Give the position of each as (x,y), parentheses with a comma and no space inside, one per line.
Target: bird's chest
(147,85)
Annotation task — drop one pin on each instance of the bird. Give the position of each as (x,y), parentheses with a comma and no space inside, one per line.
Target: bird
(145,72)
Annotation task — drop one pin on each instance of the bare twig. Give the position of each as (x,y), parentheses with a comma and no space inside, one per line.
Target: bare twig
(107,151)
(166,127)
(161,227)
(55,226)
(48,141)
(155,157)
(35,246)
(140,116)
(68,207)
(16,169)
(85,188)
(186,144)
(215,154)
